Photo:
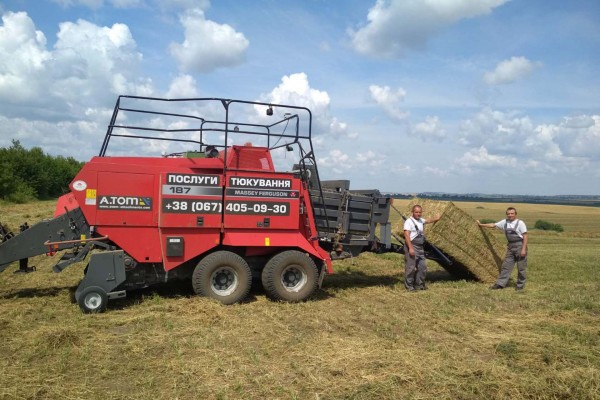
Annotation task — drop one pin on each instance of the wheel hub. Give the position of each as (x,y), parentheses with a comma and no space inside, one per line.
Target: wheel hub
(224,281)
(293,278)
(92,300)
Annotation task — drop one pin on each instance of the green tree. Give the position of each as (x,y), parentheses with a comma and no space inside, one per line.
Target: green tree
(31,174)
(548,226)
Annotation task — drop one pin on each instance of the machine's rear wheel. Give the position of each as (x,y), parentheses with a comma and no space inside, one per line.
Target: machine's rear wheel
(224,276)
(93,299)
(290,276)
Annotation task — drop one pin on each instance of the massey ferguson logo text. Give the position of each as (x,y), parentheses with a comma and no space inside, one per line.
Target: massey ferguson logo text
(133,203)
(260,183)
(193,180)
(239,192)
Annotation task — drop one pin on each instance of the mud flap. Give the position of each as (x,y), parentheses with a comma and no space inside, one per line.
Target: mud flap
(322,274)
(106,270)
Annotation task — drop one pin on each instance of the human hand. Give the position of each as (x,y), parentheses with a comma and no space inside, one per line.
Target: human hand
(411,252)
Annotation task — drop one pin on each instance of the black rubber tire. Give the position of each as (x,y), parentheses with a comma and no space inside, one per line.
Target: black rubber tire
(93,299)
(290,276)
(224,276)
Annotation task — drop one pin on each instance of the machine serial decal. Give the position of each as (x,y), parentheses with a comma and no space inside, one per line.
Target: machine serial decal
(259,183)
(257,208)
(288,194)
(188,206)
(132,203)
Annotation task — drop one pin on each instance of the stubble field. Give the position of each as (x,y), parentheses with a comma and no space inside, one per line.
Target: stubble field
(361,337)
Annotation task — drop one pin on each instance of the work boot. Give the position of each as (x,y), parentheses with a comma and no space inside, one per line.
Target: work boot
(495,286)
(25,270)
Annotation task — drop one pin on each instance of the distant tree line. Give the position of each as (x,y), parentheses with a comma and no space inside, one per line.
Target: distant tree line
(27,175)
(548,226)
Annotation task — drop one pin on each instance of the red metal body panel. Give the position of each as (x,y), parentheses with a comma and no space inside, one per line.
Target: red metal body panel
(248,158)
(253,197)
(139,203)
(195,243)
(186,196)
(141,243)
(67,202)
(122,198)
(271,239)
(126,199)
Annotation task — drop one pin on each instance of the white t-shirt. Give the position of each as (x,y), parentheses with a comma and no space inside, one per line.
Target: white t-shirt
(410,226)
(517,225)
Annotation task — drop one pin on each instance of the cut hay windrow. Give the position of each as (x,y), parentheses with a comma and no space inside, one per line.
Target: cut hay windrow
(474,251)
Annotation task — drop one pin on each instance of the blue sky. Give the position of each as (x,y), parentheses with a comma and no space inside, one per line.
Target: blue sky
(489,96)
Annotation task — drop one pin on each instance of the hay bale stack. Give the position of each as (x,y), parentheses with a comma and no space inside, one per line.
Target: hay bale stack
(475,251)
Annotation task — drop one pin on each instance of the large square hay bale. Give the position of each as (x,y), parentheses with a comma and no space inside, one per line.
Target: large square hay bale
(474,251)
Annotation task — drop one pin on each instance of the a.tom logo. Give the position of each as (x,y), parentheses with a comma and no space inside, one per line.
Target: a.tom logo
(133,203)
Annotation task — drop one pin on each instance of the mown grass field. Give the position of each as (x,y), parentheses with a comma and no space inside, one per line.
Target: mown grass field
(362,337)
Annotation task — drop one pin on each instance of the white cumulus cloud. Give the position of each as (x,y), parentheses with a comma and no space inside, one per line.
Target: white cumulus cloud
(91,58)
(389,100)
(436,171)
(88,65)
(336,161)
(371,159)
(430,129)
(481,159)
(183,86)
(508,71)
(68,91)
(24,58)
(500,139)
(68,138)
(295,90)
(506,132)
(393,26)
(578,136)
(207,44)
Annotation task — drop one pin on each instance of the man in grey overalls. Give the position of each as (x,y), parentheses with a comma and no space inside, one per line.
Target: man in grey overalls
(516,252)
(415,268)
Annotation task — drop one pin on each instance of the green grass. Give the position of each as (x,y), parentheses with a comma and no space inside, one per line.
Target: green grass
(362,337)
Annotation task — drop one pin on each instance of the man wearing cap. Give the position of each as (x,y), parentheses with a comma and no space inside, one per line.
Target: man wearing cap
(415,268)
(516,252)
